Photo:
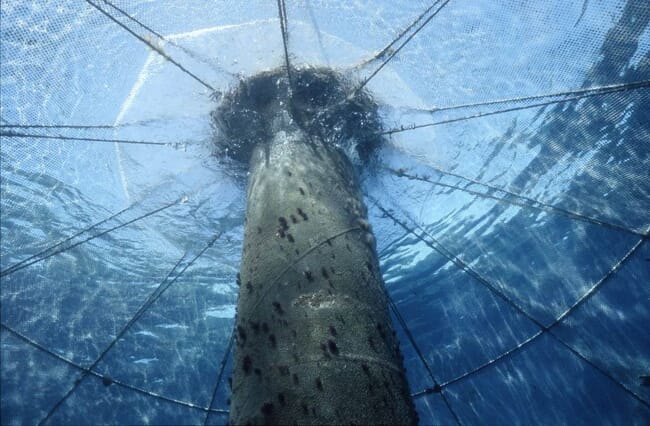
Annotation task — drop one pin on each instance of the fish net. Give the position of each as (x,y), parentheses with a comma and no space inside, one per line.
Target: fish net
(510,198)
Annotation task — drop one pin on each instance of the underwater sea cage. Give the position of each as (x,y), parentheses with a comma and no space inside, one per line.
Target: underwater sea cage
(493,155)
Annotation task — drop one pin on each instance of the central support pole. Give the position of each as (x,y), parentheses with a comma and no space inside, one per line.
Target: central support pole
(314,338)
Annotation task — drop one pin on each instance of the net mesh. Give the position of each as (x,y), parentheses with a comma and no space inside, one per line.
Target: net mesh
(510,202)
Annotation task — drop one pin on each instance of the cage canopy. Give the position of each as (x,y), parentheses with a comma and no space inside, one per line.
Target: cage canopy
(224,212)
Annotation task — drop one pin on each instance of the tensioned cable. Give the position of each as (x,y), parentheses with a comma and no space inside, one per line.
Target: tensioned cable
(8,125)
(457,262)
(133,19)
(152,46)
(360,87)
(9,133)
(537,205)
(55,126)
(155,295)
(479,368)
(105,378)
(92,237)
(396,51)
(224,361)
(166,40)
(411,339)
(383,51)
(435,245)
(583,90)
(588,294)
(356,90)
(621,88)
(282,12)
(65,240)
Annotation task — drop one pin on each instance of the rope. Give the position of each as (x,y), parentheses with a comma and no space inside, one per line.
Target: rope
(435,245)
(90,127)
(224,360)
(10,271)
(55,126)
(282,12)
(390,244)
(399,36)
(396,51)
(71,237)
(459,263)
(592,89)
(152,47)
(411,339)
(621,88)
(481,367)
(73,138)
(166,40)
(537,205)
(134,20)
(119,383)
(292,265)
(153,297)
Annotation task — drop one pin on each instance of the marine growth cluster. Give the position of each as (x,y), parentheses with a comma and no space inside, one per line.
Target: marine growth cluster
(321,101)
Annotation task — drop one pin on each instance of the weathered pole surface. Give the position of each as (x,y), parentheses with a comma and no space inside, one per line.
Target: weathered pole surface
(315,343)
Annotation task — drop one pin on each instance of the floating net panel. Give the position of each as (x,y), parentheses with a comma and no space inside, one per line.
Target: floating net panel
(510,200)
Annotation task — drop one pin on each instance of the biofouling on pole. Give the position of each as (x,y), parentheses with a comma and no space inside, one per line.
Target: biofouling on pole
(315,343)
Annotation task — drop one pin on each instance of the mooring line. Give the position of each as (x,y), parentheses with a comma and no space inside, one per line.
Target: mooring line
(543,329)
(396,51)
(631,86)
(92,237)
(65,240)
(104,377)
(152,47)
(224,361)
(383,51)
(536,204)
(153,297)
(13,134)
